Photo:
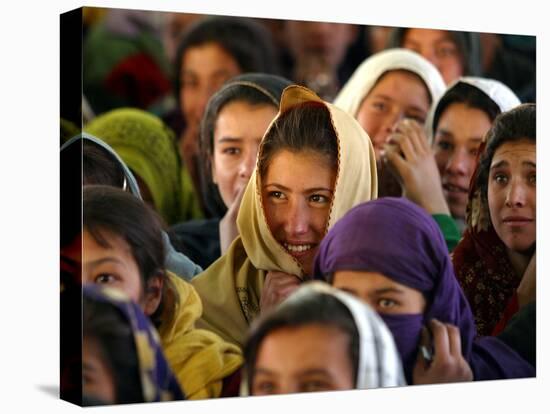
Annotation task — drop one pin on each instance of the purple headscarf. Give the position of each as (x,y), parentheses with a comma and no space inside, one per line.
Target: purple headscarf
(398,239)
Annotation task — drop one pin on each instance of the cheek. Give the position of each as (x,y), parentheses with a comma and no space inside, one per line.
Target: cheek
(441,160)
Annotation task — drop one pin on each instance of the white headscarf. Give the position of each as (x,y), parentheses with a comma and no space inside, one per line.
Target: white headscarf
(367,74)
(379,364)
(497,91)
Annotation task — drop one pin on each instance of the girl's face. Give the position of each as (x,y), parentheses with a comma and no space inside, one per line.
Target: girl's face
(439,48)
(512,194)
(303,359)
(397,95)
(97,377)
(380,292)
(237,134)
(115,266)
(204,69)
(297,193)
(459,133)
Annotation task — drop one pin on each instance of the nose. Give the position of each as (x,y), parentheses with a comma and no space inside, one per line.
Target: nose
(247,164)
(458,163)
(515,196)
(389,122)
(297,219)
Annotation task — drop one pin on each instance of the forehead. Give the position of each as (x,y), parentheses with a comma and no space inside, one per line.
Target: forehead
(512,150)
(427,35)
(299,169)
(398,82)
(115,244)
(208,55)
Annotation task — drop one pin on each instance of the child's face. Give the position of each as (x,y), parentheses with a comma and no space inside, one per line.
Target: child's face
(303,359)
(113,265)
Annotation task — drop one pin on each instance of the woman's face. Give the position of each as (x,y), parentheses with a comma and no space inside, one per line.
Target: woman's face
(458,135)
(237,134)
(97,377)
(396,95)
(297,193)
(303,359)
(512,194)
(439,48)
(380,292)
(204,69)
(114,265)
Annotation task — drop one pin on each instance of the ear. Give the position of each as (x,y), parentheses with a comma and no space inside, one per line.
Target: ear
(153,294)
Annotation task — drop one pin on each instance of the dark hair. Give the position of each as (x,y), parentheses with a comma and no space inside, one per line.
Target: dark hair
(304,127)
(105,324)
(469,95)
(111,210)
(100,167)
(252,88)
(246,40)
(510,126)
(317,309)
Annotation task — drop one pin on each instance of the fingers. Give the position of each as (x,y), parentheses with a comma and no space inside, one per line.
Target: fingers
(416,134)
(440,339)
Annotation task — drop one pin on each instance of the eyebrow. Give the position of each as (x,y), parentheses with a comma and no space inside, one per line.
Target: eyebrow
(388,98)
(309,190)
(448,133)
(388,290)
(105,260)
(229,140)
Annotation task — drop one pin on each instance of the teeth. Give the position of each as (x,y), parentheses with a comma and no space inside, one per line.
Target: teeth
(297,248)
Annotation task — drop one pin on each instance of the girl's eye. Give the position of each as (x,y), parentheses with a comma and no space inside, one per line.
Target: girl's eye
(420,119)
(533,179)
(386,303)
(231,151)
(318,198)
(105,278)
(276,194)
(444,145)
(379,106)
(500,178)
(264,387)
(314,385)
(446,51)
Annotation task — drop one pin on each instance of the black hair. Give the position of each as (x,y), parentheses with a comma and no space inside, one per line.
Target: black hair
(304,127)
(316,309)
(111,210)
(254,89)
(100,167)
(246,40)
(510,126)
(106,325)
(468,95)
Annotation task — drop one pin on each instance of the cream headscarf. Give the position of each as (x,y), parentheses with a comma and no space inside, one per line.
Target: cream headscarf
(367,74)
(498,92)
(230,288)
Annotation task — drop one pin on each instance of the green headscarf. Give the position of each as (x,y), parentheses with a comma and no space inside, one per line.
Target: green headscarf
(148,148)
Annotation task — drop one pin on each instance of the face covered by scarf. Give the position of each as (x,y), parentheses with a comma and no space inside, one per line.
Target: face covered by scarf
(398,239)
(158,383)
(231,287)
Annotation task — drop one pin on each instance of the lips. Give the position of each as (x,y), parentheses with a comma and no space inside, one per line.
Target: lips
(517,220)
(455,188)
